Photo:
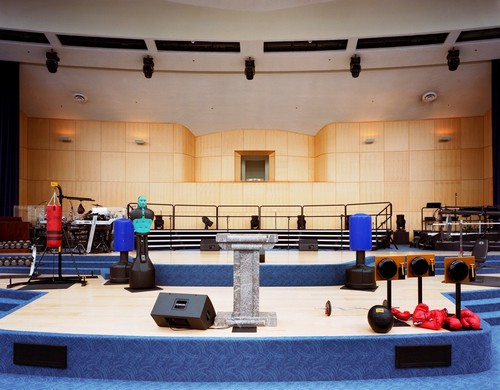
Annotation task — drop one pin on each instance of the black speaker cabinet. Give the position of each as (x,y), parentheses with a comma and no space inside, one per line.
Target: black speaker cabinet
(308,244)
(209,244)
(191,311)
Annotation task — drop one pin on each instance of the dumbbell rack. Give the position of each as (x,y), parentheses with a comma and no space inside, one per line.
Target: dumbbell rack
(20,255)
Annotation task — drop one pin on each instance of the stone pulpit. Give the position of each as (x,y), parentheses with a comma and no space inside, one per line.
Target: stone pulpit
(247,249)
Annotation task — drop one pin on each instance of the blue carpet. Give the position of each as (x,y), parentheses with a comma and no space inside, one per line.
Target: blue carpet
(488,380)
(12,300)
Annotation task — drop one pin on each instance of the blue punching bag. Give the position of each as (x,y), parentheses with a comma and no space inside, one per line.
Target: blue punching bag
(360,276)
(123,242)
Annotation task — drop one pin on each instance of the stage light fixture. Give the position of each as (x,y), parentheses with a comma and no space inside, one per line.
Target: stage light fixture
(400,222)
(158,222)
(52,61)
(369,140)
(139,141)
(148,67)
(453,59)
(249,68)
(445,138)
(301,222)
(255,222)
(355,66)
(208,223)
(65,138)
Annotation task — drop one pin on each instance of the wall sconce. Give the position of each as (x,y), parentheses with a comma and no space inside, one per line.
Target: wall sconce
(445,138)
(65,138)
(139,141)
(369,140)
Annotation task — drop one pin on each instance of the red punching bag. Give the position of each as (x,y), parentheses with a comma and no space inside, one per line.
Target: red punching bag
(54,223)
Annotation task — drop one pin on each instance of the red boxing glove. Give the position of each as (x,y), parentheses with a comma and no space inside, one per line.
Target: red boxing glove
(470,320)
(420,314)
(404,316)
(433,319)
(453,323)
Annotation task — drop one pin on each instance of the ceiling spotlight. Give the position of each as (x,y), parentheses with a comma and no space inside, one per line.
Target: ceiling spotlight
(453,59)
(148,67)
(52,61)
(139,141)
(355,66)
(65,138)
(250,68)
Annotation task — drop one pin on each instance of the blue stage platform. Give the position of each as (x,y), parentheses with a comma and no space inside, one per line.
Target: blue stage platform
(246,358)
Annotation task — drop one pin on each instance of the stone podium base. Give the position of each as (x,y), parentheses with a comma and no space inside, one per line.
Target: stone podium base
(227,319)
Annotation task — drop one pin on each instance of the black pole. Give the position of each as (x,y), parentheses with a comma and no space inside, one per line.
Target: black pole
(458,299)
(419,289)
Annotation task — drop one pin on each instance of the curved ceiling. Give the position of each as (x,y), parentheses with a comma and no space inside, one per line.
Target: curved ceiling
(402,46)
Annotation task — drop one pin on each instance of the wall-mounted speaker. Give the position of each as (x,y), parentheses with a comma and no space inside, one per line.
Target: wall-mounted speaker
(459,269)
(420,265)
(390,267)
(190,311)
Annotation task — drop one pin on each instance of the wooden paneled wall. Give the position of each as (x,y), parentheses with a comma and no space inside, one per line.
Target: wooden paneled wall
(406,165)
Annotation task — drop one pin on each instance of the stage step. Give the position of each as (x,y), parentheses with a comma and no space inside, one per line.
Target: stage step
(287,239)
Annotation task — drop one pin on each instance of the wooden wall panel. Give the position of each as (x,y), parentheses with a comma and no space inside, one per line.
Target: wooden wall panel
(471,133)
(371,167)
(421,165)
(184,142)
(347,138)
(325,140)
(277,140)
(231,140)
(447,192)
(161,167)
(134,190)
(298,169)
(209,145)
(421,135)
(396,166)
(347,167)
(38,133)
(347,192)
(137,168)
(87,166)
(113,167)
(371,191)
(281,168)
(183,168)
(471,193)
(113,135)
(208,169)
(114,194)
(447,165)
(161,138)
(421,192)
(162,193)
(471,164)
(398,193)
(396,136)
(62,165)
(254,139)
(88,135)
(300,145)
(228,168)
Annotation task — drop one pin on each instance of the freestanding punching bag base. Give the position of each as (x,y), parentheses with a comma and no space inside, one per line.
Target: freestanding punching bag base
(360,276)
(142,272)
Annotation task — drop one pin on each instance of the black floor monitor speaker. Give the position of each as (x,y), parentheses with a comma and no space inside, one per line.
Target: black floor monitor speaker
(308,244)
(209,244)
(190,311)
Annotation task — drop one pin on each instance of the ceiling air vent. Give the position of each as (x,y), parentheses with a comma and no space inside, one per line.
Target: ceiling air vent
(291,46)
(198,46)
(102,42)
(429,97)
(479,35)
(401,41)
(23,36)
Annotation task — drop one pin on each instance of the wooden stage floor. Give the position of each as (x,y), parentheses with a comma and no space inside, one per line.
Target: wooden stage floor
(103,309)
